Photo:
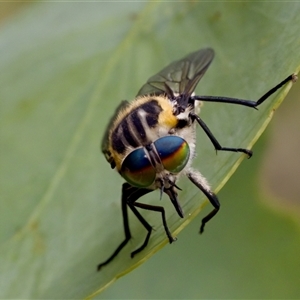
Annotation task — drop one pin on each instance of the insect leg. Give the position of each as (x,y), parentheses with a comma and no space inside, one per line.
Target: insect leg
(249,103)
(197,179)
(129,193)
(146,224)
(214,140)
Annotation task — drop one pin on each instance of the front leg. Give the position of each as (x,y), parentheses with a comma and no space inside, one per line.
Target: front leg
(196,178)
(129,194)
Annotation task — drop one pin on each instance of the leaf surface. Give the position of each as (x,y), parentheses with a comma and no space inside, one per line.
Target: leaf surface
(64,69)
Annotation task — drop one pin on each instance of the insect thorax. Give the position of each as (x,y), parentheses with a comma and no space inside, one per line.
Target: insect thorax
(145,120)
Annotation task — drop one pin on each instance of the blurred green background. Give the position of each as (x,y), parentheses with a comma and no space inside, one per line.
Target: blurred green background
(250,250)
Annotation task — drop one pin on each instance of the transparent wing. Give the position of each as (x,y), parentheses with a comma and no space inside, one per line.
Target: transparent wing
(180,77)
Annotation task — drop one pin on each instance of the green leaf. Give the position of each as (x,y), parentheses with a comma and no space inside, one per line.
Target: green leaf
(64,69)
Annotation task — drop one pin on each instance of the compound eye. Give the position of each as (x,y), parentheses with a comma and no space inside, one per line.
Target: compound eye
(174,152)
(137,170)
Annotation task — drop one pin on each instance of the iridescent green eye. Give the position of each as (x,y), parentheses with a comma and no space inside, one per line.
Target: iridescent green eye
(137,169)
(174,152)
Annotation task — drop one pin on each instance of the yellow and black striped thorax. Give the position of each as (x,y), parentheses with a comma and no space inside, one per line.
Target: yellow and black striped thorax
(137,124)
